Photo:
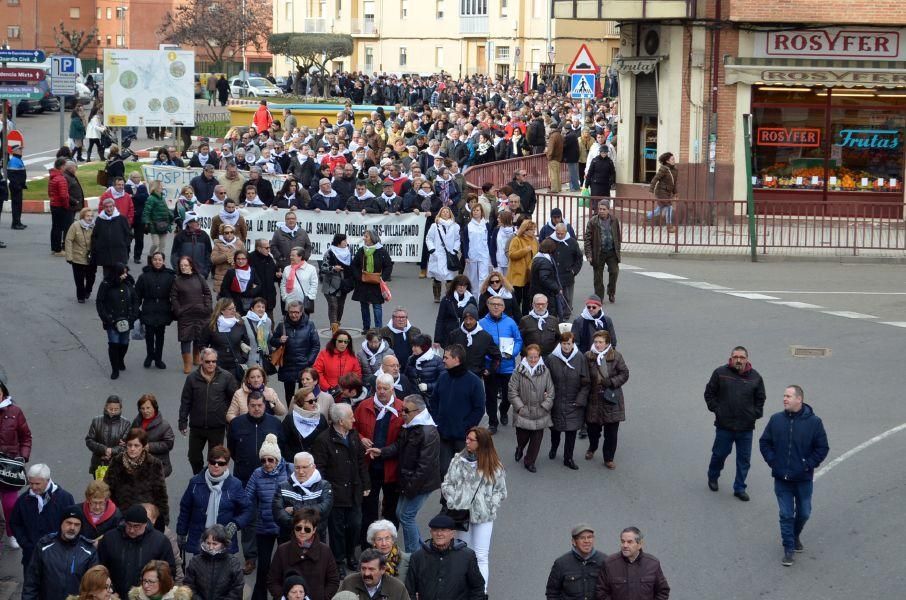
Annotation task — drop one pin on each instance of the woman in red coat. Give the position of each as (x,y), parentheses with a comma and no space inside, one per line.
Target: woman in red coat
(336,359)
(15,442)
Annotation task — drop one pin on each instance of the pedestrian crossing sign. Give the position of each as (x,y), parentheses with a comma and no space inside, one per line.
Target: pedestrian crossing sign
(582,86)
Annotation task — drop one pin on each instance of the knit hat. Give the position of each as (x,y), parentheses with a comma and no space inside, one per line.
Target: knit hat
(71,512)
(470,310)
(442,522)
(270,448)
(294,580)
(594,299)
(135,514)
(190,216)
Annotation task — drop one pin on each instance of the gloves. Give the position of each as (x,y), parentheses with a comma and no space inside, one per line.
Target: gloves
(245,347)
(423,387)
(231,530)
(181,541)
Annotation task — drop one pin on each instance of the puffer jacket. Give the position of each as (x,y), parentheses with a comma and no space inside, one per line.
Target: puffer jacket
(794,444)
(301,347)
(156,210)
(330,365)
(105,432)
(153,289)
(126,556)
(532,397)
(116,301)
(572,385)
(217,577)
(342,463)
(15,434)
(318,494)
(190,301)
(736,399)
(57,567)
(262,489)
(611,373)
(78,244)
(417,449)
(239,405)
(197,246)
(145,484)
(450,574)
(244,439)
(573,577)
(505,327)
(160,440)
(58,190)
(193,508)
(425,369)
(204,404)
(228,346)
(465,488)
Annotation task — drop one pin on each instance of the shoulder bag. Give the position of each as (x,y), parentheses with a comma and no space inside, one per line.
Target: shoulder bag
(12,472)
(308,305)
(367,277)
(607,394)
(454,263)
(101,178)
(461,516)
(277,354)
(264,358)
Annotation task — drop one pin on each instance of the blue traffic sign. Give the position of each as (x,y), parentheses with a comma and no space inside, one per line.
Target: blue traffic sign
(22,56)
(63,65)
(19,92)
(582,86)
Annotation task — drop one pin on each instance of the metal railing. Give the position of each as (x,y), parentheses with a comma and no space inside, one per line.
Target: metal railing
(315,25)
(501,172)
(363,27)
(473,24)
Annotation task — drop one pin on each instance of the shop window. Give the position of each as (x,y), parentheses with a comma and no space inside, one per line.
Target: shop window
(789,147)
(402,57)
(75,12)
(866,150)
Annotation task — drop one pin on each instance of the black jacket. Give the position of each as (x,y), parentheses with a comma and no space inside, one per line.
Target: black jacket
(245,438)
(228,346)
(204,405)
(125,557)
(794,444)
(343,465)
(736,399)
(110,242)
(242,300)
(105,432)
(117,301)
(601,175)
(449,316)
(57,567)
(266,268)
(215,577)
(544,280)
(76,193)
(573,577)
(450,574)
(301,348)
(482,348)
(571,147)
(204,187)
(527,198)
(417,449)
(318,496)
(370,293)
(292,441)
(302,172)
(584,330)
(534,133)
(160,440)
(509,307)
(547,337)
(153,289)
(569,260)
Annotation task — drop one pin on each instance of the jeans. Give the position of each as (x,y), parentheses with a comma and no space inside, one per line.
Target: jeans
(198,437)
(723,445)
(84,279)
(667,210)
(266,544)
(343,524)
(573,176)
(407,512)
(115,337)
(494,383)
(795,501)
(374,506)
(478,538)
(448,449)
(366,315)
(60,220)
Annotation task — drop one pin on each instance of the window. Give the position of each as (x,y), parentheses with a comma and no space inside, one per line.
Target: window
(100,13)
(339,8)
(439,56)
(120,41)
(12,2)
(322,8)
(577,9)
(109,40)
(470,8)
(368,10)
(369,58)
(109,13)
(503,8)
(503,53)
(402,57)
(538,9)
(288,11)
(439,8)
(13,32)
(404,9)
(75,12)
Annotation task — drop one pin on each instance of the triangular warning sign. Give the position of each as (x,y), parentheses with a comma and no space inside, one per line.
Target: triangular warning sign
(583,63)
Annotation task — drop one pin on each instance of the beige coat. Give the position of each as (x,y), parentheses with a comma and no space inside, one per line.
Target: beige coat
(222,259)
(532,397)
(78,244)
(240,403)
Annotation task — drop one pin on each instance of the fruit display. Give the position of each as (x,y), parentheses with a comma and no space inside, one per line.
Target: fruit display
(839,179)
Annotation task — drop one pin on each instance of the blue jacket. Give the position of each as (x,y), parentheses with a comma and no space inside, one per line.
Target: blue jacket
(505,327)
(261,489)
(31,525)
(794,444)
(245,439)
(193,508)
(301,348)
(427,372)
(457,403)
(57,568)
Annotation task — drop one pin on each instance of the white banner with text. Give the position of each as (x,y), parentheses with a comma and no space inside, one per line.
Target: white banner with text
(176,178)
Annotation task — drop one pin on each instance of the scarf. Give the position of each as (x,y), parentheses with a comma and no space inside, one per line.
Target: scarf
(599,320)
(422,418)
(103,214)
(426,355)
(469,334)
(207,550)
(543,255)
(383,409)
(564,240)
(203,158)
(86,225)
(367,195)
(215,486)
(540,318)
(115,194)
(503,293)
(232,244)
(558,352)
(305,420)
(241,281)
(256,201)
(187,204)
(372,356)
(525,364)
(229,218)
(601,354)
(393,561)
(388,199)
(42,498)
(461,302)
(132,464)
(483,147)
(369,258)
(291,280)
(262,327)
(399,331)
(424,194)
(224,325)
(341,254)
(287,230)
(308,483)
(331,194)
(6,402)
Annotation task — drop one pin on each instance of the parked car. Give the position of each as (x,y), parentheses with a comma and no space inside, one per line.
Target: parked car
(45,103)
(282,84)
(254,87)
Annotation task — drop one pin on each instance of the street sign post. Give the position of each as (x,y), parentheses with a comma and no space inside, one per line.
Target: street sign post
(582,86)
(582,67)
(21,75)
(14,140)
(22,56)
(62,83)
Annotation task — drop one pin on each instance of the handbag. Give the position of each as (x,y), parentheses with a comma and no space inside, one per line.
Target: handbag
(101,178)
(308,305)
(461,516)
(608,395)
(369,277)
(12,472)
(277,356)
(454,263)
(161,226)
(122,325)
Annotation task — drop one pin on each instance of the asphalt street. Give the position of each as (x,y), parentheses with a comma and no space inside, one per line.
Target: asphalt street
(676,320)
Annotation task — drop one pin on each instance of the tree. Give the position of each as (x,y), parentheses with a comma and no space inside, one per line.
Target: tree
(310,50)
(73,41)
(218,27)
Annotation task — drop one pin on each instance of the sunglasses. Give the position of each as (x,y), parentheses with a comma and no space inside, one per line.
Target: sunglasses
(310,401)
(210,362)
(493,281)
(219,463)
(406,411)
(304,528)
(267,460)
(342,341)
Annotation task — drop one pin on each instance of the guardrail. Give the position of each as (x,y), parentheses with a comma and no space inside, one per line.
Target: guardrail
(501,172)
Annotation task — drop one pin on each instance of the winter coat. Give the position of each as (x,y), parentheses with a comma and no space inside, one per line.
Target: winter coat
(282,243)
(221,259)
(619,579)
(573,577)
(401,343)
(266,268)
(611,373)
(103,433)
(204,404)
(78,244)
(457,403)
(244,439)
(571,147)
(177,592)
(228,346)
(139,194)
(450,574)
(366,424)
(370,293)
(449,317)
(545,280)
(663,184)
(15,435)
(241,229)
(125,557)
(288,494)
(467,489)
(417,452)
(31,525)
(301,347)
(216,577)
(197,246)
(124,203)
(585,329)
(153,289)
(76,128)
(193,507)
(522,250)
(532,397)
(554,149)
(145,484)
(117,301)
(572,385)
(57,568)
(293,442)
(330,365)
(482,354)
(305,284)
(239,405)
(535,132)
(203,187)
(391,587)
(76,193)
(242,300)
(343,465)
(593,250)
(156,210)
(110,518)
(160,440)
(335,283)
(546,338)
(736,399)
(261,490)
(568,259)
(316,565)
(527,197)
(794,444)
(427,371)
(190,301)
(370,366)
(601,175)
(437,258)
(58,189)
(110,241)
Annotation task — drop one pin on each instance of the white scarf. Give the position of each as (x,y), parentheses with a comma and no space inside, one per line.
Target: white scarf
(426,355)
(331,194)
(229,218)
(422,418)
(86,225)
(243,276)
(258,321)
(425,193)
(304,423)
(384,409)
(396,382)
(103,214)
(215,487)
(224,325)
(525,364)
(558,352)
(51,488)
(116,195)
(233,244)
(285,229)
(564,240)
(372,356)
(602,353)
(342,254)
(503,293)
(6,402)
(461,303)
(388,199)
(540,318)
(402,331)
(256,201)
(290,198)
(203,158)
(308,483)
(599,320)
(364,196)
(469,334)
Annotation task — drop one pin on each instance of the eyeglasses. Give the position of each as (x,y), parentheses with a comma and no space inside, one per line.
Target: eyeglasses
(496,304)
(219,463)
(342,341)
(145,582)
(268,460)
(495,281)
(304,528)
(210,362)
(593,307)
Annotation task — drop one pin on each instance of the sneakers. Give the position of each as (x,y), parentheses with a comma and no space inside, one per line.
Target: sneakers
(799,546)
(13,543)
(742,496)
(787,560)
(712,485)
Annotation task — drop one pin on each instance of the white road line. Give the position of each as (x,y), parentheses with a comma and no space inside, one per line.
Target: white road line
(794,304)
(894,323)
(660,275)
(626,267)
(829,293)
(848,314)
(751,295)
(852,452)
(703,285)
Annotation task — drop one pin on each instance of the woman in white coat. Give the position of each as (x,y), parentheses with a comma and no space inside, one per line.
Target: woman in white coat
(299,281)
(443,237)
(476,247)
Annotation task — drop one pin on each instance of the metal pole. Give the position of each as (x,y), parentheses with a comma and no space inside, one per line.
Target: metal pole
(750,197)
(62,118)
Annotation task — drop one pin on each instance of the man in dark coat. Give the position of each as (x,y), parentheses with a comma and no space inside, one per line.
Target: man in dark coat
(31,523)
(60,560)
(203,185)
(110,241)
(535,133)
(602,249)
(735,394)
(525,191)
(568,258)
(545,279)
(793,444)
(574,575)
(571,156)
(479,344)
(194,242)
(540,327)
(400,333)
(631,574)
(444,567)
(127,549)
(265,266)
(592,319)
(372,581)
(601,175)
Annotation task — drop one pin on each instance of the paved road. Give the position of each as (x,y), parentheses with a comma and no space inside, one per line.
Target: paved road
(672,335)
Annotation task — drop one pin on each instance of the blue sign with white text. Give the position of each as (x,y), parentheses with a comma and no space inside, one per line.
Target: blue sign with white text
(27,56)
(870,139)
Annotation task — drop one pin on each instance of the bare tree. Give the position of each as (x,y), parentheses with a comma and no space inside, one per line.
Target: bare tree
(218,27)
(311,50)
(73,41)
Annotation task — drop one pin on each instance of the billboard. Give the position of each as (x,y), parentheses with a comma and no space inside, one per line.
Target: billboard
(149,88)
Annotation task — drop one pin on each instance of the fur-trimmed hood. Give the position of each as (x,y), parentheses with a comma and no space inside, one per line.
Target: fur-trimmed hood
(179,592)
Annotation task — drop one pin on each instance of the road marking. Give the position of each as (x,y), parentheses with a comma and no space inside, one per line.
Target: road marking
(853,451)
(660,275)
(626,267)
(703,285)
(894,323)
(848,314)
(840,293)
(794,304)
(751,295)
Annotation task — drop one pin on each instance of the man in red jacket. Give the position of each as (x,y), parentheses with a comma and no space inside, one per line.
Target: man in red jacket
(263,117)
(60,215)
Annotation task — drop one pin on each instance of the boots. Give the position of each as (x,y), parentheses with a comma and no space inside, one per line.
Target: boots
(436,287)
(113,354)
(186,363)
(159,351)
(123,348)
(149,349)
(422,274)
(334,327)
(196,356)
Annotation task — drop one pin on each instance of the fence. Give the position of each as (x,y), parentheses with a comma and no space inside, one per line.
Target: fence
(211,125)
(501,172)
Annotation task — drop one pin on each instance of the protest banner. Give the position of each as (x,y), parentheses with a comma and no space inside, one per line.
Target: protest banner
(175,178)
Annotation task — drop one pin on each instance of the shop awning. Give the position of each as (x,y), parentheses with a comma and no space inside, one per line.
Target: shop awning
(814,72)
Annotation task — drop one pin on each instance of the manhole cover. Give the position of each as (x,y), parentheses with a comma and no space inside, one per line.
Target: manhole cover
(809,352)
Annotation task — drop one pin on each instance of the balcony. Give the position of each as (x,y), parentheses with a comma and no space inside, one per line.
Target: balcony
(364,28)
(315,26)
(624,10)
(473,25)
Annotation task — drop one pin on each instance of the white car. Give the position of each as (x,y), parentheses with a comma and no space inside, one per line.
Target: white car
(253,86)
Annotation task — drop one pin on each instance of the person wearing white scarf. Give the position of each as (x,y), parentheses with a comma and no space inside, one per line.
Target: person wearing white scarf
(531,393)
(469,333)
(569,372)
(476,247)
(540,318)
(462,300)
(443,237)
(342,254)
(504,235)
(591,320)
(372,356)
(109,216)
(229,218)
(226,324)
(606,407)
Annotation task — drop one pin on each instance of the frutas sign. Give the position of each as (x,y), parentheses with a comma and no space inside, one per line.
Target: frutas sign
(792,137)
(832,42)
